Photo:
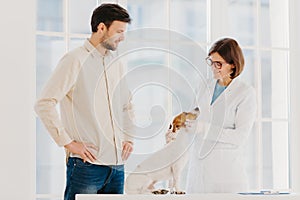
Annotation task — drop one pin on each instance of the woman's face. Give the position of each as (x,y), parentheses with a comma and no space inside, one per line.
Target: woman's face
(221,70)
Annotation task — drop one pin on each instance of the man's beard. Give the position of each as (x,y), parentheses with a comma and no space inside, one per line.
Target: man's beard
(107,45)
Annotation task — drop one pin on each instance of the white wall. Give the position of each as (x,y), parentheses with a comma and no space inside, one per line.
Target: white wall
(295,94)
(17,90)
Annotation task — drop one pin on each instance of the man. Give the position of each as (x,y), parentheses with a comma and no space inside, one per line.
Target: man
(94,123)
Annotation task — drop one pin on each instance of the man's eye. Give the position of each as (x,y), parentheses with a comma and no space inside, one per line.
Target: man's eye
(219,64)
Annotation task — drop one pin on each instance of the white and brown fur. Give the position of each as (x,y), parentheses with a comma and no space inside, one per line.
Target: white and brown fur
(164,165)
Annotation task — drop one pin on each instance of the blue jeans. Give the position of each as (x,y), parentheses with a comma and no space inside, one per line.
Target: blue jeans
(87,178)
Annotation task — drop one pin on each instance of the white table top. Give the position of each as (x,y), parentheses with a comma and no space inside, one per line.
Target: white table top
(188,197)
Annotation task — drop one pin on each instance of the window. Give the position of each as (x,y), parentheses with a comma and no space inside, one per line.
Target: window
(180,26)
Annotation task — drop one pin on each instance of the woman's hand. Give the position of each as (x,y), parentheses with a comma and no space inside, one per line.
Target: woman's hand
(191,125)
(195,126)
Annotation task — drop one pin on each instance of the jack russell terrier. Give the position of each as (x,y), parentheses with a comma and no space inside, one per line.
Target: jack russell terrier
(165,164)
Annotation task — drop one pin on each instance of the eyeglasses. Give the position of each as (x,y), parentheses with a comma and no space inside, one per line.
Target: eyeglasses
(217,64)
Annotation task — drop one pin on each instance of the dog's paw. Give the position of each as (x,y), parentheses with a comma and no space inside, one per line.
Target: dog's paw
(178,192)
(160,191)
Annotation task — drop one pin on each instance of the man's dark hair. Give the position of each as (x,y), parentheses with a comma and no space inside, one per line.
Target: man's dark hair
(107,13)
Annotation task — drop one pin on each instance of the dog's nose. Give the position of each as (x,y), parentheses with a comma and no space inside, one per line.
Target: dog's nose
(196,109)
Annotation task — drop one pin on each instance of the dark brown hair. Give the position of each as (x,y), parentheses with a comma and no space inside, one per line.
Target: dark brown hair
(231,52)
(107,13)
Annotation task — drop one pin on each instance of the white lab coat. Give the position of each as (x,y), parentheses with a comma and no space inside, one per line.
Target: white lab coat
(217,163)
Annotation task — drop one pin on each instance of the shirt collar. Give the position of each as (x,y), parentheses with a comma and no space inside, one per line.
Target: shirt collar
(91,49)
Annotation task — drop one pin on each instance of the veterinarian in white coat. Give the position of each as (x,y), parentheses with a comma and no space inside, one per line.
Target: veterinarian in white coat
(228,111)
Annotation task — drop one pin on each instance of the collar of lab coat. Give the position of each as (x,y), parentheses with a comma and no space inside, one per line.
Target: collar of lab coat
(234,84)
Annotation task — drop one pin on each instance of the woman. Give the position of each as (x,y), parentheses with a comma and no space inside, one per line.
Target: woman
(228,111)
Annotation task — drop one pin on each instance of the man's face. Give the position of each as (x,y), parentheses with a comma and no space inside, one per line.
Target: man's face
(114,35)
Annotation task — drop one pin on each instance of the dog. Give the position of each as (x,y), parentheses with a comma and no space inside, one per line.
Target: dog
(166,164)
(180,121)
